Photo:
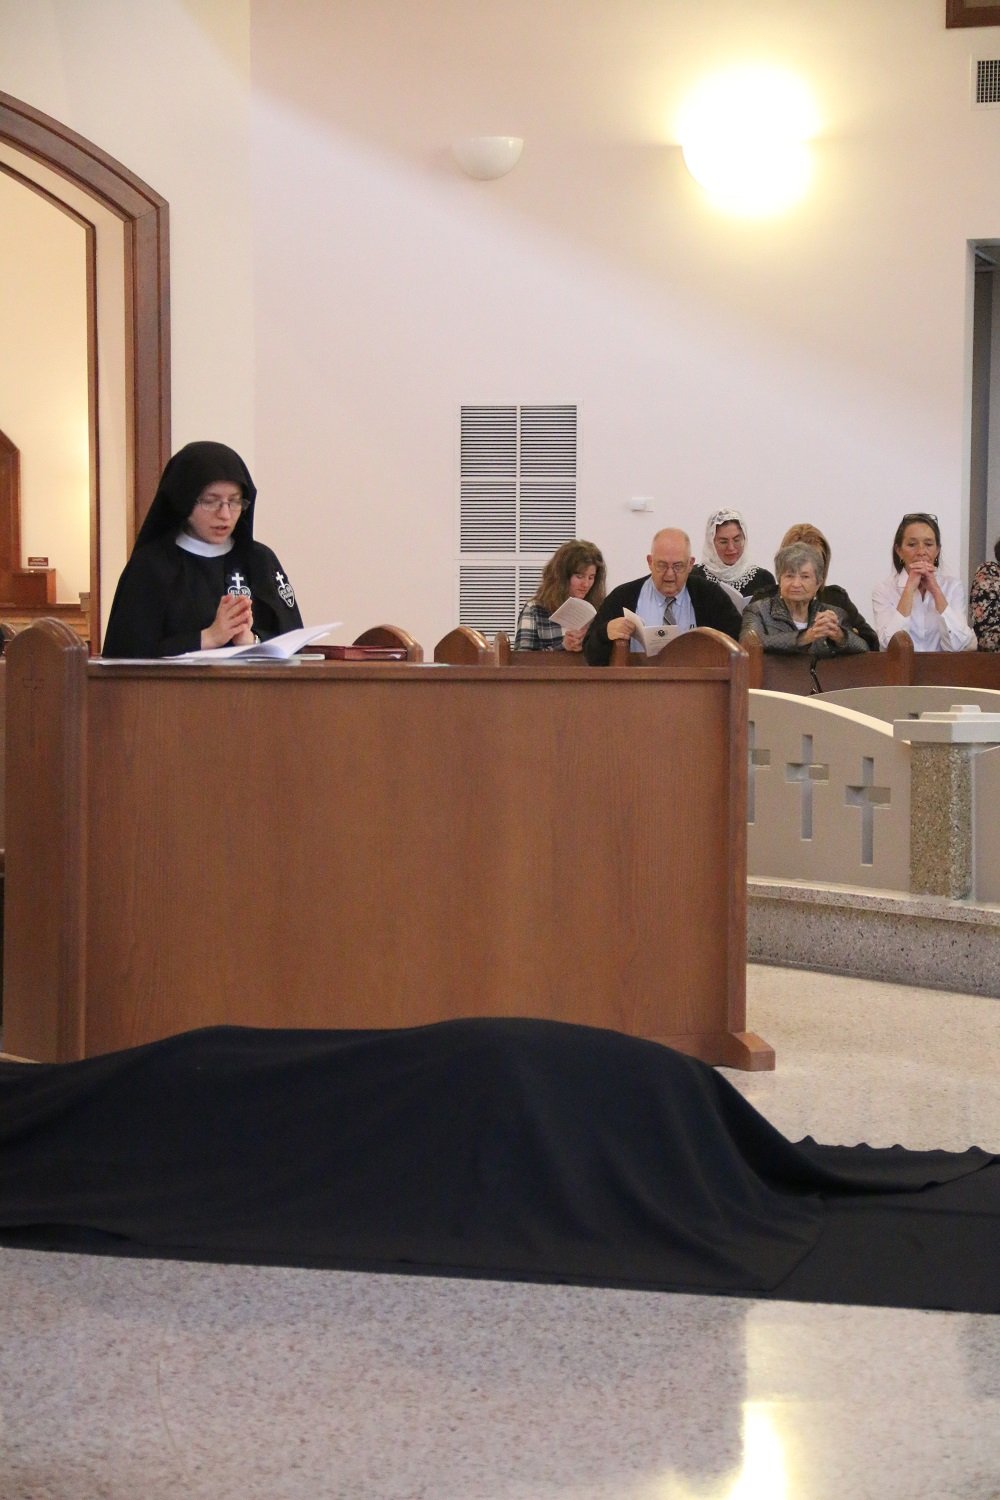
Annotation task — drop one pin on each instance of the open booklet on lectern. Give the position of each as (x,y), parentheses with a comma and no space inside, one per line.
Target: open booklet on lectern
(278,648)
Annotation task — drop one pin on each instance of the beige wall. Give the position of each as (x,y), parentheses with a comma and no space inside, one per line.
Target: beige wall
(812,366)
(43,379)
(162,86)
(339,288)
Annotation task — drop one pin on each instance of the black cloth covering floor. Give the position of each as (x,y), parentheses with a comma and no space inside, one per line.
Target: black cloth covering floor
(504,1148)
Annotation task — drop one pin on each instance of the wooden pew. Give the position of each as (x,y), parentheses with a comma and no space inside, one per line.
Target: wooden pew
(898,666)
(464,647)
(391,845)
(699,647)
(955,669)
(503,654)
(391,635)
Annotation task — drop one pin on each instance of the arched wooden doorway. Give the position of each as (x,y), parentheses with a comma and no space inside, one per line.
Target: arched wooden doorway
(146,292)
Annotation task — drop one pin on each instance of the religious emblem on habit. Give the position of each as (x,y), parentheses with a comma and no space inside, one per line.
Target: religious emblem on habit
(285,589)
(238,586)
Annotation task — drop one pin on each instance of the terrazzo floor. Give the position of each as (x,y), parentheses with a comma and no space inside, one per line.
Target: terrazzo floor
(140,1380)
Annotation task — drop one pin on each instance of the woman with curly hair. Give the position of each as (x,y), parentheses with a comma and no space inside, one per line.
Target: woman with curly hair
(575,571)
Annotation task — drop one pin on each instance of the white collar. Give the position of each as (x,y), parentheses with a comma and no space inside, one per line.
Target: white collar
(203,549)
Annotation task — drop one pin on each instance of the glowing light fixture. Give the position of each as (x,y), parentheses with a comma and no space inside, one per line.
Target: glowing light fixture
(745,136)
(486,156)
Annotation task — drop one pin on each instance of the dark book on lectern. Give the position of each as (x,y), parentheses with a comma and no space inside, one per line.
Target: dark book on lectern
(365,653)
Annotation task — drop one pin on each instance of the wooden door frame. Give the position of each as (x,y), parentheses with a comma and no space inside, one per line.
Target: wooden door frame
(145,222)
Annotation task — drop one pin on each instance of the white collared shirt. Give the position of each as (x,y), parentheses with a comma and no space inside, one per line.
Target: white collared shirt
(927,629)
(651,604)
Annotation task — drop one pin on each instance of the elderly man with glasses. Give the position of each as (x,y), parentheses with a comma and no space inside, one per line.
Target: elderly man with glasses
(668,595)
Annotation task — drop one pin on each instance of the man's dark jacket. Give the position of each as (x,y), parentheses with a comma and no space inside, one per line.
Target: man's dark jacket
(712,607)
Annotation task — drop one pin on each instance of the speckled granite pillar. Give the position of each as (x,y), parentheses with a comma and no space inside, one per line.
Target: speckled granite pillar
(941,820)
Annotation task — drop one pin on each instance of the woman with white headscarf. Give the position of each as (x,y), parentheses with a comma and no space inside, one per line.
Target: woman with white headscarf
(725,558)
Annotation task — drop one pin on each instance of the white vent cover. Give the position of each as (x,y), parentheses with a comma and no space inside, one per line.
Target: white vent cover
(491,598)
(517,496)
(986,83)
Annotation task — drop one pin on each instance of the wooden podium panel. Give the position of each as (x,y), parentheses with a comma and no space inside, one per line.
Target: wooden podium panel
(342,845)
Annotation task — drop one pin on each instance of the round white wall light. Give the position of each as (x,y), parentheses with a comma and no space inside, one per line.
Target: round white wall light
(745,136)
(486,156)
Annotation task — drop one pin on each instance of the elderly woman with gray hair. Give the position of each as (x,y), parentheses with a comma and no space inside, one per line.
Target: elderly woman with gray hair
(793,619)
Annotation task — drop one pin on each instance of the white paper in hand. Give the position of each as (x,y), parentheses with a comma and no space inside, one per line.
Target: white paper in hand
(574,614)
(653,637)
(741,601)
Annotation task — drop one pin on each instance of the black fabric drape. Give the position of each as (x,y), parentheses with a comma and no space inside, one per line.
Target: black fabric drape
(511,1148)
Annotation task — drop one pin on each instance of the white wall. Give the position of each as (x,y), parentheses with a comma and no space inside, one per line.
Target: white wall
(810,367)
(325,248)
(161,85)
(43,380)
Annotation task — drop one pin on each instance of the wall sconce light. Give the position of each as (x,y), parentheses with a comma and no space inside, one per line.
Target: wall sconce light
(745,134)
(486,156)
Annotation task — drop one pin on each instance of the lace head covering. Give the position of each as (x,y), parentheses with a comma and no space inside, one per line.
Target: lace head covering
(737,573)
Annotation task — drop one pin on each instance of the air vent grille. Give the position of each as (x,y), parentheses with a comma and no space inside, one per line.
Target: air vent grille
(517,504)
(489,516)
(491,598)
(548,440)
(487,599)
(489,440)
(548,516)
(986,92)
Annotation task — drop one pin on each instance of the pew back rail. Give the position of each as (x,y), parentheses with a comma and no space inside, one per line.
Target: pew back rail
(898,666)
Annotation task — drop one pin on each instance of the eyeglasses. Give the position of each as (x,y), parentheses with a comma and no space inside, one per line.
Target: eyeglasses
(240,503)
(662,567)
(919,515)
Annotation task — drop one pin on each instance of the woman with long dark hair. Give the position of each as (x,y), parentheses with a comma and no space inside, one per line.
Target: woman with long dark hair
(918,598)
(575,570)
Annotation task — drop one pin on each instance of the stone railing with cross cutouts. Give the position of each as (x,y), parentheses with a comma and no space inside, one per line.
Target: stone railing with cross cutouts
(830,791)
(828,795)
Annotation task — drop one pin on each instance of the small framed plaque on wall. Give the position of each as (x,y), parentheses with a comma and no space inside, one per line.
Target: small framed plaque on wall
(972,13)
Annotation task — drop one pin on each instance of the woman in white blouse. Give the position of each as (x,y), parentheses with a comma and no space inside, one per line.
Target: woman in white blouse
(918,598)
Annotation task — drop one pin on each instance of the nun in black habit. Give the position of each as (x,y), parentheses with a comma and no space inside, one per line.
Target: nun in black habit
(196,579)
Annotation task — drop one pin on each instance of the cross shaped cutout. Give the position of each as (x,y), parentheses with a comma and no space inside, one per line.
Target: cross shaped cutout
(806,772)
(757,758)
(867,796)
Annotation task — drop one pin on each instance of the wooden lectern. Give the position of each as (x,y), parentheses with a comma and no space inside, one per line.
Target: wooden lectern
(320,844)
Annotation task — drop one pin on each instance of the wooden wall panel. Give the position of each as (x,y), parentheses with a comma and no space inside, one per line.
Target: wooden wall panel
(356,846)
(46,857)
